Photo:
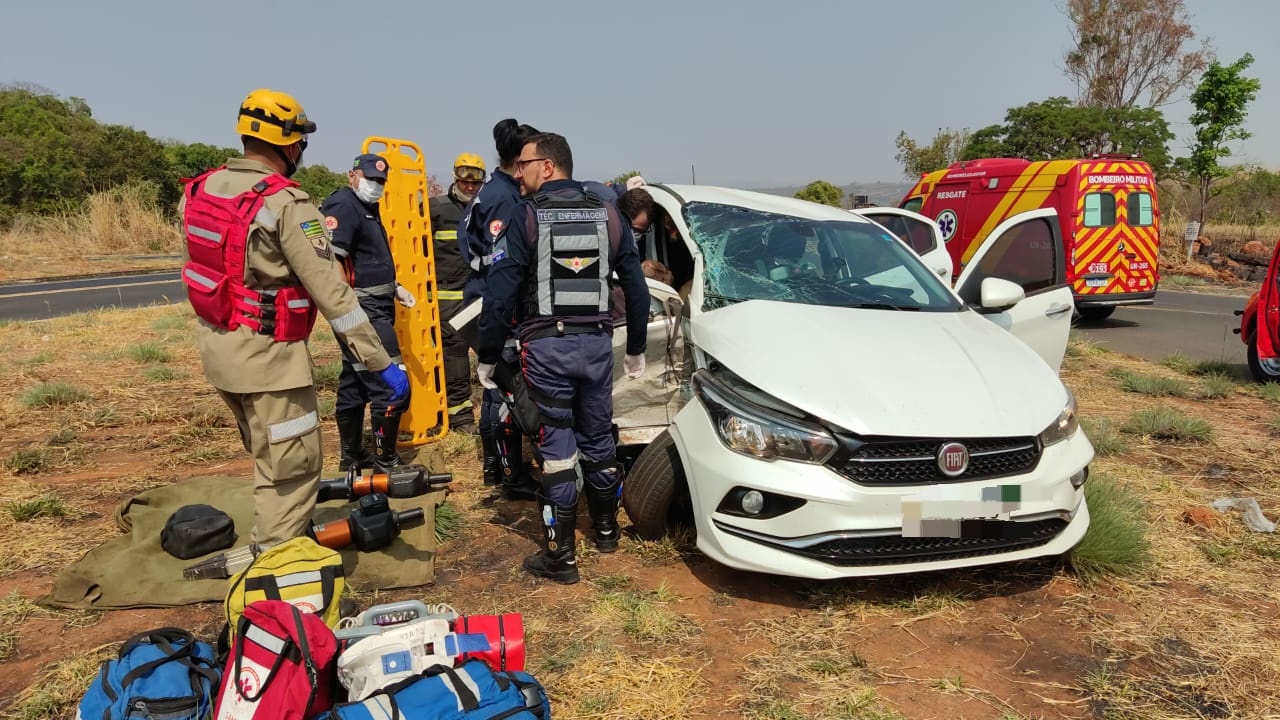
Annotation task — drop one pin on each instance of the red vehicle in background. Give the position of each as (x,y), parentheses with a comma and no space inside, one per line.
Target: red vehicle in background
(1107,213)
(1260,325)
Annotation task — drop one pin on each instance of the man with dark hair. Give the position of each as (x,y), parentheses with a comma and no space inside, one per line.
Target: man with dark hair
(361,246)
(637,205)
(550,280)
(257,266)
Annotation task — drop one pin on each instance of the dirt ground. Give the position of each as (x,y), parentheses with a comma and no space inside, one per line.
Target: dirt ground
(656,630)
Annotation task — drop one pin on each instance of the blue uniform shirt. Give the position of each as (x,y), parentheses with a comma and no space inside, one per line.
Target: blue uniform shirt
(359,238)
(513,268)
(482,223)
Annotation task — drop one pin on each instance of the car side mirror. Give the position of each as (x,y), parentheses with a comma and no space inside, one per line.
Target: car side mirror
(999,294)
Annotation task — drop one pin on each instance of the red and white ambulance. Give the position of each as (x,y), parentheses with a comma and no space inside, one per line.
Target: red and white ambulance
(1106,205)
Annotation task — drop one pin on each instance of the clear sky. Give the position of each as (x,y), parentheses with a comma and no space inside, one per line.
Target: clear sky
(752,93)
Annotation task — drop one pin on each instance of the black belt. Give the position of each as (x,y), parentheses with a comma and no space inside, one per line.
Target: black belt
(562,328)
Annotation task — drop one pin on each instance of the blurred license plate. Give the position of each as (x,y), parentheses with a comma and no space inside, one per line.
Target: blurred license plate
(1099,282)
(948,513)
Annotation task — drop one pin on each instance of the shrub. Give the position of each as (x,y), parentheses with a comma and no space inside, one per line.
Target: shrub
(1116,542)
(49,394)
(1168,424)
(45,506)
(1217,385)
(1152,385)
(1103,435)
(148,353)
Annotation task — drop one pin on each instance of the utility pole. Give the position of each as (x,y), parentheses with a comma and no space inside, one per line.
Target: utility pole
(693,173)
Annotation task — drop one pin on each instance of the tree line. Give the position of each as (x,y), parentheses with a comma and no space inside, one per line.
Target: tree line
(54,155)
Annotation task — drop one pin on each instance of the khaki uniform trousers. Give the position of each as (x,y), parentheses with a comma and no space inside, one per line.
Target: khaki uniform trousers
(281,429)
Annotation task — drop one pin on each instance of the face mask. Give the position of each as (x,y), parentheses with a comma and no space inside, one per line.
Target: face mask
(369,191)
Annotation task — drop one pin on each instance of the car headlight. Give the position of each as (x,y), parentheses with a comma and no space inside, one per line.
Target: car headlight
(747,428)
(1064,426)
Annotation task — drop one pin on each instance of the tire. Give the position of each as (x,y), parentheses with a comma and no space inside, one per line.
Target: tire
(1263,372)
(1093,314)
(656,493)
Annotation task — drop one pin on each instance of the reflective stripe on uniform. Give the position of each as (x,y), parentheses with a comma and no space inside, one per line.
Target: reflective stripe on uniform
(554,293)
(298,578)
(445,235)
(455,409)
(199,279)
(475,263)
(211,236)
(359,367)
(265,217)
(349,321)
(299,303)
(339,251)
(449,294)
(376,290)
(293,428)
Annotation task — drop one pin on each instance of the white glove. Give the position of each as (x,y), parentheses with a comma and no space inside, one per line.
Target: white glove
(484,373)
(404,297)
(633,366)
(634,182)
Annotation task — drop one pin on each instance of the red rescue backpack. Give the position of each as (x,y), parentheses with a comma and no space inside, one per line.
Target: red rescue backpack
(281,665)
(216,231)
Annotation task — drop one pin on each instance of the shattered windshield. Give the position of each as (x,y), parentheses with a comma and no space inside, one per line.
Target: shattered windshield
(755,255)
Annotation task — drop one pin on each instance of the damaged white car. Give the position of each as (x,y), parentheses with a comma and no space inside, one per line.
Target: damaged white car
(819,404)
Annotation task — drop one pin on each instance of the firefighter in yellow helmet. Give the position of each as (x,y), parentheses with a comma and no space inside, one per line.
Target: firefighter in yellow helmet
(257,266)
(451,277)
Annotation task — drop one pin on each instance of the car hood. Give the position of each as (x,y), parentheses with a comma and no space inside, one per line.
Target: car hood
(886,372)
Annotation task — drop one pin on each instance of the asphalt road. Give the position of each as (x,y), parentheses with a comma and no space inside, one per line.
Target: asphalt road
(41,300)
(1197,325)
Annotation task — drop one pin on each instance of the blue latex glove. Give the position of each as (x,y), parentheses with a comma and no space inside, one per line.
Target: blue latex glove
(395,378)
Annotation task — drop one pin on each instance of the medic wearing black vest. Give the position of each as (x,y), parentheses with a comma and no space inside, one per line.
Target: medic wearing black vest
(549,280)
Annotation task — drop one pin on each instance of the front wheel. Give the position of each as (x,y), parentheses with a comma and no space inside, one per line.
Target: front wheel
(1264,371)
(655,493)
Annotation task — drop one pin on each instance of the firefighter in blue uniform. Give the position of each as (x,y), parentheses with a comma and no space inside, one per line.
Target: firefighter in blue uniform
(483,221)
(361,245)
(550,281)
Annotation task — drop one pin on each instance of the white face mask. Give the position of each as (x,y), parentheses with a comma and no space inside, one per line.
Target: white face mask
(369,191)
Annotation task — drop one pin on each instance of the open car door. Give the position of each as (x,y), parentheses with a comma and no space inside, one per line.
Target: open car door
(919,233)
(644,407)
(1025,250)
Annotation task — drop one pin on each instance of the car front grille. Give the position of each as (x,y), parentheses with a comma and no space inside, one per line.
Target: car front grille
(913,461)
(982,537)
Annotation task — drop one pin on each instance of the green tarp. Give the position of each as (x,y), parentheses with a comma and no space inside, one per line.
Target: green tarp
(133,571)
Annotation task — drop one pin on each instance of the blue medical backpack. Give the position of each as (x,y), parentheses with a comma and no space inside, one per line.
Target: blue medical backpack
(164,674)
(471,691)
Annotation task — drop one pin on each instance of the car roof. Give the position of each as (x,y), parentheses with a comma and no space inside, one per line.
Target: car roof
(758,201)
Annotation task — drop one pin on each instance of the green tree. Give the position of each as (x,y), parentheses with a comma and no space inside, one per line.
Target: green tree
(821,191)
(318,181)
(624,177)
(192,160)
(1128,51)
(1221,102)
(1059,129)
(917,159)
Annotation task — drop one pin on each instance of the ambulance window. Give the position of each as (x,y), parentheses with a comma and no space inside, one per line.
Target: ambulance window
(1025,254)
(1140,210)
(914,204)
(1099,209)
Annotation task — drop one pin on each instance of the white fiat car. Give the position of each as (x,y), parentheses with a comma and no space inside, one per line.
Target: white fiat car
(820,403)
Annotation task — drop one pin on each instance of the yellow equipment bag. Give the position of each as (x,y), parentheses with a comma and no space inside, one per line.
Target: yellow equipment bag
(299,571)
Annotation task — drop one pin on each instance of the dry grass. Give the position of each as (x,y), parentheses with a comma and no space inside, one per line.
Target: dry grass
(119,222)
(57,692)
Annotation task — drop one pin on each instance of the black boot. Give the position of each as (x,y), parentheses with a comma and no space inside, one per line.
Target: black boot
(602,503)
(517,481)
(556,562)
(492,468)
(386,432)
(351,438)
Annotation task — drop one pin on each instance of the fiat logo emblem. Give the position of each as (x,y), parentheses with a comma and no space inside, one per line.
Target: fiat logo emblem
(953,459)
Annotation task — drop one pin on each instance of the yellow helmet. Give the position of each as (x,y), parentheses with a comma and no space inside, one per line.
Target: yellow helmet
(469,166)
(274,117)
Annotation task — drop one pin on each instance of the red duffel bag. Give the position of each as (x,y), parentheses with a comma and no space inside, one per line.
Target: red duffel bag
(506,639)
(280,667)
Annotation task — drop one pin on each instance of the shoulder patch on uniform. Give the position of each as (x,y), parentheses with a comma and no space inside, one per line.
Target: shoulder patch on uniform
(380,166)
(331,222)
(495,228)
(313,231)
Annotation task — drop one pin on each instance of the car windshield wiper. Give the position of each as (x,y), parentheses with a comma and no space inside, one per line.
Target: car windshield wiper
(884,306)
(727,299)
